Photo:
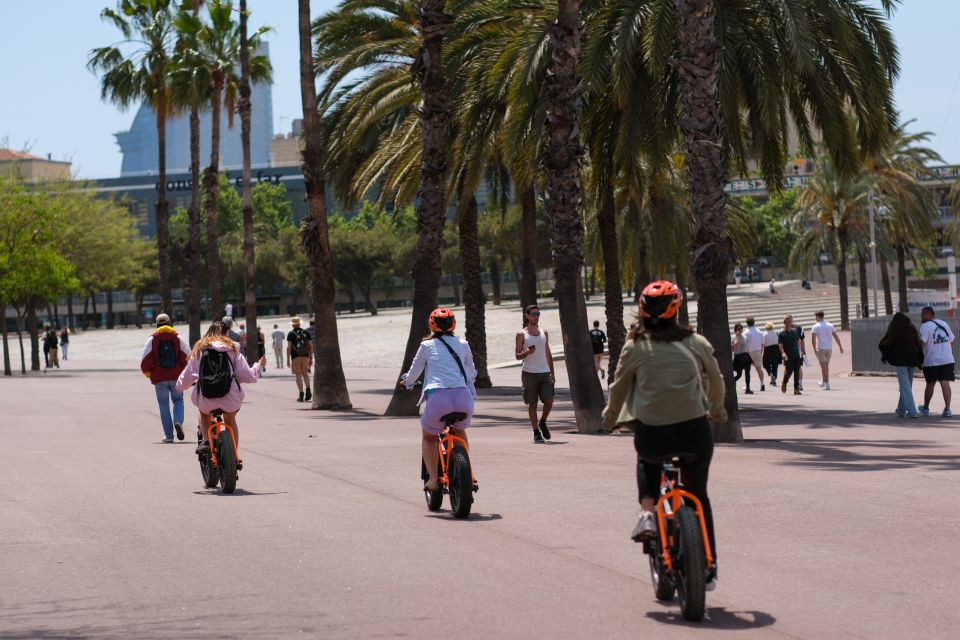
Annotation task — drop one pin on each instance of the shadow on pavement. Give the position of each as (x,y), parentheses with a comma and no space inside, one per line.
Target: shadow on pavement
(832,418)
(718,618)
(477,517)
(238,492)
(836,455)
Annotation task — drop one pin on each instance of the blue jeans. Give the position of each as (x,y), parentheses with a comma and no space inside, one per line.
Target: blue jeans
(906,406)
(167,391)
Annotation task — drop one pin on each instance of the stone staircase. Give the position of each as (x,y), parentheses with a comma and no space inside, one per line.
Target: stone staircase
(791,299)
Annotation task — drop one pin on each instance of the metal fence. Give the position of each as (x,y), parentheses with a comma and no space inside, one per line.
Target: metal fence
(865,335)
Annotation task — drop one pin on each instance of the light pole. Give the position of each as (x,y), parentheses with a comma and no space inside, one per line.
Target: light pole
(873,249)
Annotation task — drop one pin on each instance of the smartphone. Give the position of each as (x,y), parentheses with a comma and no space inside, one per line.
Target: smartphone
(533,347)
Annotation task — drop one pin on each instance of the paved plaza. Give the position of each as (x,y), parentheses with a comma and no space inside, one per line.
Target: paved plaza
(835,519)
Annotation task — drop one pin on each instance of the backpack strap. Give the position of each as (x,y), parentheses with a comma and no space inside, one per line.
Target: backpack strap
(463,371)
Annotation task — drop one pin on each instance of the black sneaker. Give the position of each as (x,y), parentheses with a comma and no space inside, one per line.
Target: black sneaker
(308,396)
(202,449)
(300,397)
(544,430)
(711,581)
(179,428)
(536,436)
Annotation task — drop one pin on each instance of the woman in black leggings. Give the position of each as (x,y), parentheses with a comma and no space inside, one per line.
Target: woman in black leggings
(667,384)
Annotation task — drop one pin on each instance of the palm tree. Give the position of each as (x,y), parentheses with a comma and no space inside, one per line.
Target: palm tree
(329,383)
(143,76)
(562,199)
(434,116)
(190,88)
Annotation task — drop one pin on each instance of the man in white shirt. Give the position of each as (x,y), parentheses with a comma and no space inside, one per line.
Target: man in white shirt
(938,362)
(279,338)
(824,335)
(754,343)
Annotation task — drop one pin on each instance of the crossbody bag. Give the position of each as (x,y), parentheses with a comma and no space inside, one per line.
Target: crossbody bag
(463,371)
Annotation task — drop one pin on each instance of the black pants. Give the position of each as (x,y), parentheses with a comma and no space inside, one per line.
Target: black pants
(742,363)
(792,366)
(771,361)
(692,436)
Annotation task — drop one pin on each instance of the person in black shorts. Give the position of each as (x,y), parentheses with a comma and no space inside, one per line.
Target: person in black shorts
(597,339)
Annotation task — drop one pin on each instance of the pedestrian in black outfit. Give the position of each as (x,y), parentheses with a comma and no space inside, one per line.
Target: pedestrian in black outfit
(789,341)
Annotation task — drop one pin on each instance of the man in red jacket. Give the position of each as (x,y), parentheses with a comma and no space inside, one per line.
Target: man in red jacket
(164,357)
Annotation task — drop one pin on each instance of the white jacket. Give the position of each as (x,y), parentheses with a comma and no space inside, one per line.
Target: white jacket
(442,371)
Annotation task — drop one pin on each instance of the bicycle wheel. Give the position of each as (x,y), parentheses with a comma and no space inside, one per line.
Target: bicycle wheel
(210,473)
(227,457)
(434,498)
(461,483)
(690,565)
(663,587)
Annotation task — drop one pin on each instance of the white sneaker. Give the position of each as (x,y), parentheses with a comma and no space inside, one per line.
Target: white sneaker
(645,527)
(826,386)
(821,385)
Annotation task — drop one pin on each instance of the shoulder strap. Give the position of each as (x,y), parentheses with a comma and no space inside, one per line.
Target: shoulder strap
(463,371)
(685,350)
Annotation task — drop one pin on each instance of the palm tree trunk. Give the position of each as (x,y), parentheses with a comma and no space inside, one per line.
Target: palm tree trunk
(7,371)
(23,358)
(528,247)
(902,277)
(163,207)
(862,275)
(699,69)
(885,278)
(34,335)
(612,285)
(110,308)
(93,309)
(562,199)
(495,282)
(329,383)
(193,246)
(212,186)
(70,319)
(434,117)
(249,258)
(473,299)
(842,280)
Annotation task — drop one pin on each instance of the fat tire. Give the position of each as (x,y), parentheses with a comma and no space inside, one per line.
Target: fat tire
(227,458)
(461,483)
(690,565)
(663,587)
(210,473)
(434,498)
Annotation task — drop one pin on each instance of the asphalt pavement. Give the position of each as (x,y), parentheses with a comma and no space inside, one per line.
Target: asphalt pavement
(834,519)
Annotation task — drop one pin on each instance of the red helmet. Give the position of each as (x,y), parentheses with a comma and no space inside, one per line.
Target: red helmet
(660,299)
(442,320)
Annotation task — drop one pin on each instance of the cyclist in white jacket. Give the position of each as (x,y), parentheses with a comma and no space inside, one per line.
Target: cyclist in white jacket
(448,385)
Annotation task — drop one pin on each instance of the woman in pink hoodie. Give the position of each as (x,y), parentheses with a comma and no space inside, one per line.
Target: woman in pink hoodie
(216,338)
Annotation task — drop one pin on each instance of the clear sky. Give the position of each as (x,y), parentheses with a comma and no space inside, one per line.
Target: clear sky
(50,103)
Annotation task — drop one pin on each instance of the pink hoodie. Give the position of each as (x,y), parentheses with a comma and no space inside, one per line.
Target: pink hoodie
(230,402)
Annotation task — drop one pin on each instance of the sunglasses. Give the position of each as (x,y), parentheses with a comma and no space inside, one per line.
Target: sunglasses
(534,313)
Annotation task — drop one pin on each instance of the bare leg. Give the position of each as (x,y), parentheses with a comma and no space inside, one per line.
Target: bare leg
(204,424)
(231,419)
(928,393)
(532,413)
(431,458)
(945,387)
(461,433)
(825,372)
(547,405)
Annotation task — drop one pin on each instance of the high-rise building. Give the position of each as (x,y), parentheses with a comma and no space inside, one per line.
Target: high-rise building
(139,144)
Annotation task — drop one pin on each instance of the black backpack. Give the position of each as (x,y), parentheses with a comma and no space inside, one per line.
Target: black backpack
(301,346)
(596,337)
(216,374)
(167,353)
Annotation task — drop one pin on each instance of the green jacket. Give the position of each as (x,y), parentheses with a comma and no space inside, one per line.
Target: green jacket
(656,383)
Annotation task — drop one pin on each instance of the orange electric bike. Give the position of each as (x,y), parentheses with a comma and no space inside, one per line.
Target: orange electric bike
(680,549)
(221,462)
(454,471)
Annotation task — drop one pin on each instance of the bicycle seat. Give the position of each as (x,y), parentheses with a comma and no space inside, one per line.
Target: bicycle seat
(453,417)
(669,458)
(217,413)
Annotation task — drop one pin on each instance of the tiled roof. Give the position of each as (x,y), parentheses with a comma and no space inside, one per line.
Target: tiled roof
(9,154)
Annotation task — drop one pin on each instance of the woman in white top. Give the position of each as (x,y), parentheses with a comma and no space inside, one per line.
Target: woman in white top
(447,385)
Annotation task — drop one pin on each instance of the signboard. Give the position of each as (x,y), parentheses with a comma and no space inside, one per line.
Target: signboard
(939,300)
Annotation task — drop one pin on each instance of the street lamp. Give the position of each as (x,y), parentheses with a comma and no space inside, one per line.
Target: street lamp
(873,248)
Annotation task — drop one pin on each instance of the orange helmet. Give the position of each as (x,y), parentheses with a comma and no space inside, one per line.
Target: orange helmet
(660,299)
(442,320)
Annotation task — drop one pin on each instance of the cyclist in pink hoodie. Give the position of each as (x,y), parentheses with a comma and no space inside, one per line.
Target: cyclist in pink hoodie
(217,339)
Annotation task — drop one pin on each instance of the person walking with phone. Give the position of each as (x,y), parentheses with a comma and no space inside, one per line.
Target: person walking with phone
(299,358)
(537,375)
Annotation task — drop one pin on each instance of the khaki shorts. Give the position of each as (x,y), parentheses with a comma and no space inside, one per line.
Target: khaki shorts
(300,365)
(757,358)
(536,385)
(823,355)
